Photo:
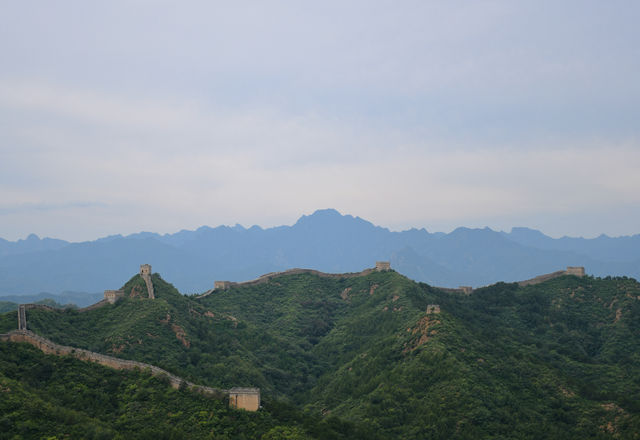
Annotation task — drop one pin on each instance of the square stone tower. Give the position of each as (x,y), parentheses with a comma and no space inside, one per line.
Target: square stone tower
(222,285)
(575,270)
(145,269)
(145,273)
(113,295)
(382,266)
(245,398)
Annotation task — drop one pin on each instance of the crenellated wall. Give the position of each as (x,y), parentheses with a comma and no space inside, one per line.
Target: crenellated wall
(244,398)
(223,285)
(571,270)
(145,273)
(22,317)
(50,347)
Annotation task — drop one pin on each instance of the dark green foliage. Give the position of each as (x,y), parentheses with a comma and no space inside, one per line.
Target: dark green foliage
(555,360)
(55,397)
(7,306)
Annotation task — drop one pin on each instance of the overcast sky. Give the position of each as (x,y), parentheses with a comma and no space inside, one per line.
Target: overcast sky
(123,116)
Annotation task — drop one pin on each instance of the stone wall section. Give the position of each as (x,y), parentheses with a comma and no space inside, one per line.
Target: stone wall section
(113,295)
(542,278)
(39,306)
(145,273)
(575,270)
(245,398)
(571,270)
(22,318)
(50,347)
(223,285)
(102,302)
(466,290)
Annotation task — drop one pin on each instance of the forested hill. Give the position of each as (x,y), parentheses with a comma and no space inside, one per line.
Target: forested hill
(325,240)
(559,359)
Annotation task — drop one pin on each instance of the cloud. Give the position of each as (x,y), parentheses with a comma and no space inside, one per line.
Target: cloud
(44,207)
(431,114)
(268,168)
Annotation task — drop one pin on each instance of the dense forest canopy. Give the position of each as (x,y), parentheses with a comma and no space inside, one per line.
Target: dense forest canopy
(382,354)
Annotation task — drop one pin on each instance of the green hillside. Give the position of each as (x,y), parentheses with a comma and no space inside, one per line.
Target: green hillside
(9,306)
(559,359)
(53,397)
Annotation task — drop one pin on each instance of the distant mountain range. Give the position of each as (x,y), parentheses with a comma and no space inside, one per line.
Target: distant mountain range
(326,241)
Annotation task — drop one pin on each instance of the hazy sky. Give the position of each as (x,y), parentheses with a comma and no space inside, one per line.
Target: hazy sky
(122,116)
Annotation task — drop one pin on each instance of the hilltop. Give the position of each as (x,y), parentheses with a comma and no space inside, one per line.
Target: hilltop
(325,240)
(559,359)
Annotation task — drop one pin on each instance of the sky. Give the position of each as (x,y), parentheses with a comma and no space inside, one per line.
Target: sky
(139,115)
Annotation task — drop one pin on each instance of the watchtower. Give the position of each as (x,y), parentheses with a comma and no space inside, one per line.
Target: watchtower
(221,285)
(245,398)
(382,266)
(145,273)
(433,308)
(575,270)
(145,269)
(113,295)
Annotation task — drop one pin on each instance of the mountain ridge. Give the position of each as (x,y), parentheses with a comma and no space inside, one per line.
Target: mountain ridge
(404,358)
(325,240)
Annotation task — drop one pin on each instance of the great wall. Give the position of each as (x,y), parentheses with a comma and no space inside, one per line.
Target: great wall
(380,266)
(571,270)
(49,347)
(145,273)
(239,397)
(243,398)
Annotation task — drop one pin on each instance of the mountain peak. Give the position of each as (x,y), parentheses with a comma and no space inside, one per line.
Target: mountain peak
(320,215)
(329,212)
(330,218)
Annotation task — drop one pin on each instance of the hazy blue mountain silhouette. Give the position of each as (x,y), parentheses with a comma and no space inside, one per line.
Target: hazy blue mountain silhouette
(30,244)
(325,240)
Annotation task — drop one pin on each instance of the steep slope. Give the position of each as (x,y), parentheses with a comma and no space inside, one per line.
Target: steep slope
(504,361)
(45,396)
(499,362)
(554,360)
(170,331)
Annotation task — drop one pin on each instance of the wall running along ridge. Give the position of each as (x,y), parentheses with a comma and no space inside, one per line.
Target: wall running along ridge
(245,398)
(145,273)
(22,317)
(240,398)
(50,347)
(380,266)
(269,276)
(571,270)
